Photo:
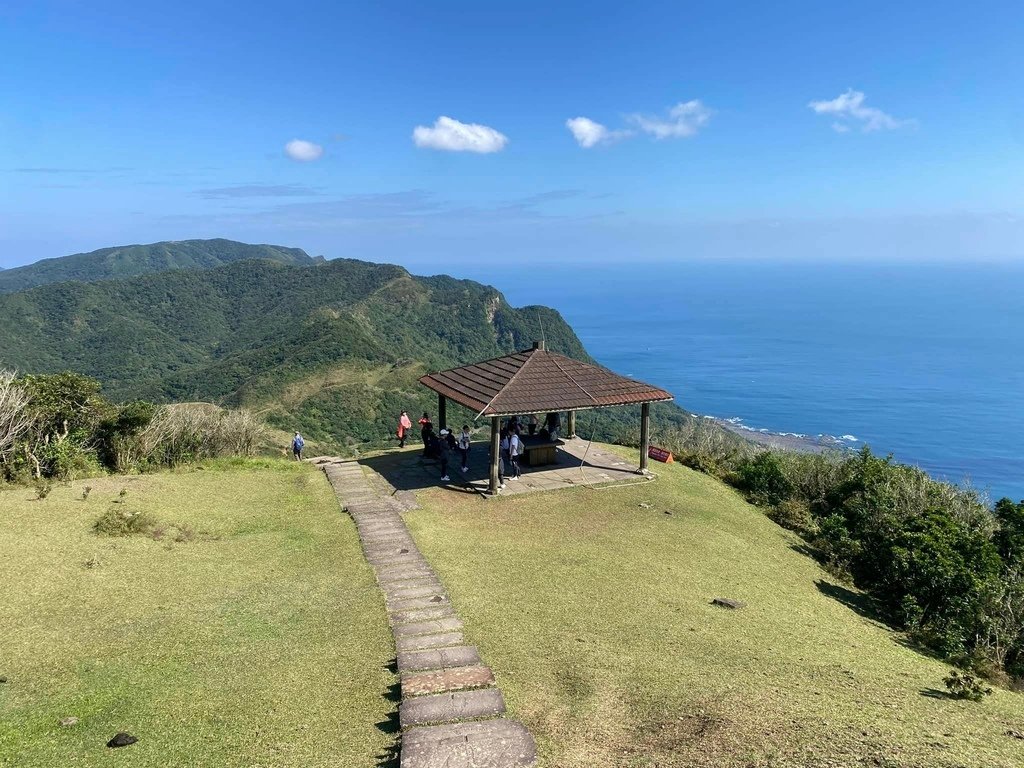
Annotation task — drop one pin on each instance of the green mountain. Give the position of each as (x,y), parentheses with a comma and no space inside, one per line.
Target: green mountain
(132,260)
(333,348)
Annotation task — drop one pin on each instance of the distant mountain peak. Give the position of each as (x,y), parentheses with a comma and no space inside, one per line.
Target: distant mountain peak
(134,260)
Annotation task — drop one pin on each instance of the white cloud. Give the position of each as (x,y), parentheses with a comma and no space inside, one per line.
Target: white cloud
(849,109)
(589,133)
(453,136)
(683,121)
(303,151)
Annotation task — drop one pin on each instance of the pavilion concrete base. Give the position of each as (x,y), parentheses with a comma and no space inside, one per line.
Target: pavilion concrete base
(407,470)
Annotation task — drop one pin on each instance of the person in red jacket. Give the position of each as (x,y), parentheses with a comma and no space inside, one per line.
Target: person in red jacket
(404,425)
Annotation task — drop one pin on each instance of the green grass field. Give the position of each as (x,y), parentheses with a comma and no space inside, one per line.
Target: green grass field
(594,613)
(261,640)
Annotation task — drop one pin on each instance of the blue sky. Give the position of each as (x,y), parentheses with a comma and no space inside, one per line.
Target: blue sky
(137,122)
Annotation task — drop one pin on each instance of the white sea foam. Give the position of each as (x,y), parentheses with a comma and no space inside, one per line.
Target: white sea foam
(850,438)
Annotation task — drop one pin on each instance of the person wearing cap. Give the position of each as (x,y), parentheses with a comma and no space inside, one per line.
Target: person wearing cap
(297,445)
(442,454)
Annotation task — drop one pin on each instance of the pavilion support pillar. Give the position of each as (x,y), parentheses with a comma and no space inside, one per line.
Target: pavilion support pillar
(570,422)
(645,435)
(442,412)
(492,486)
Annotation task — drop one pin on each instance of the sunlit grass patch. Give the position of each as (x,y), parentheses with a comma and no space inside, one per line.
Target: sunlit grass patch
(594,609)
(242,628)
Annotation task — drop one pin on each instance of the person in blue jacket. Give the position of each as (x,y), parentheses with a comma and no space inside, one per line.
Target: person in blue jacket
(297,444)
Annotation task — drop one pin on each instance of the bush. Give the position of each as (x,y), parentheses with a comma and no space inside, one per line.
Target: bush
(122,522)
(763,479)
(795,514)
(964,686)
(191,431)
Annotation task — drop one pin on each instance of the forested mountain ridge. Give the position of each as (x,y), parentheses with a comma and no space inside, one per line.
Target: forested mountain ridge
(131,260)
(334,348)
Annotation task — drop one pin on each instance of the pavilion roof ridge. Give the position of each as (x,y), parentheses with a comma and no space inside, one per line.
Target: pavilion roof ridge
(527,382)
(529,359)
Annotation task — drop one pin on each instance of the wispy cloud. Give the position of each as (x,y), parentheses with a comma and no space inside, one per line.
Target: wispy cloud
(45,170)
(402,209)
(303,151)
(260,190)
(453,136)
(848,109)
(683,120)
(589,133)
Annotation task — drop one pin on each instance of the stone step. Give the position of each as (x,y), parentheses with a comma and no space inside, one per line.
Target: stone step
(399,558)
(446,680)
(451,707)
(406,574)
(405,593)
(421,581)
(420,614)
(438,658)
(452,624)
(423,642)
(491,744)
(412,603)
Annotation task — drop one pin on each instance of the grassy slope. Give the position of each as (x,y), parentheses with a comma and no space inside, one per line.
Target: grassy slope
(595,615)
(262,642)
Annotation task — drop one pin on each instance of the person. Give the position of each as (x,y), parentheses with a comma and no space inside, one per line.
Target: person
(515,450)
(442,454)
(425,427)
(533,424)
(464,439)
(553,422)
(503,446)
(430,449)
(297,445)
(404,425)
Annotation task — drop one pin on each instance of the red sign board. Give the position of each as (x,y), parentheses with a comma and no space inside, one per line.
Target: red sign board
(660,454)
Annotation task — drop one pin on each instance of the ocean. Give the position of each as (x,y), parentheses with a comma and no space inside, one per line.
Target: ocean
(923,361)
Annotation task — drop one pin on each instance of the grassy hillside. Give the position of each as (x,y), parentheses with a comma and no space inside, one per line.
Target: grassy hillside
(250,632)
(334,348)
(595,613)
(132,260)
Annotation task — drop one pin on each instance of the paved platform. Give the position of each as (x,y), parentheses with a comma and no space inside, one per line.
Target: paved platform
(579,463)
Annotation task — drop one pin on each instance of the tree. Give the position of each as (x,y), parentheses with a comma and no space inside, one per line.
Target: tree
(15,419)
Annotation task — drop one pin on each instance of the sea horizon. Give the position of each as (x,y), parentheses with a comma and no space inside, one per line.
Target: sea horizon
(923,361)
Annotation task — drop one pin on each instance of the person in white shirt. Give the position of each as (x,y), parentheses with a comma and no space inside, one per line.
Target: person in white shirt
(515,450)
(463,444)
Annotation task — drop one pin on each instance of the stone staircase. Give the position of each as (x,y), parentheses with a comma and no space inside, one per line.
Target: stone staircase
(451,713)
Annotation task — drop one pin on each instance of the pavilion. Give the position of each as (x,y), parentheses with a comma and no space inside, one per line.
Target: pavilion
(538,381)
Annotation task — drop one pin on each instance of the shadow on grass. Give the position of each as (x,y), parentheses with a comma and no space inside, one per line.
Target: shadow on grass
(934,693)
(390,757)
(858,602)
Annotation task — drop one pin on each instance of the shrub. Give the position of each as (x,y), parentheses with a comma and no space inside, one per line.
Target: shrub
(964,686)
(15,419)
(795,514)
(763,479)
(191,431)
(122,522)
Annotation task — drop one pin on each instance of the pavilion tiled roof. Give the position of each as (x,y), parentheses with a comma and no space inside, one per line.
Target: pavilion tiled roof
(538,381)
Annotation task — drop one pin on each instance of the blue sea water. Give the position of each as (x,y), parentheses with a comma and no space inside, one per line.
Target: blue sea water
(922,361)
